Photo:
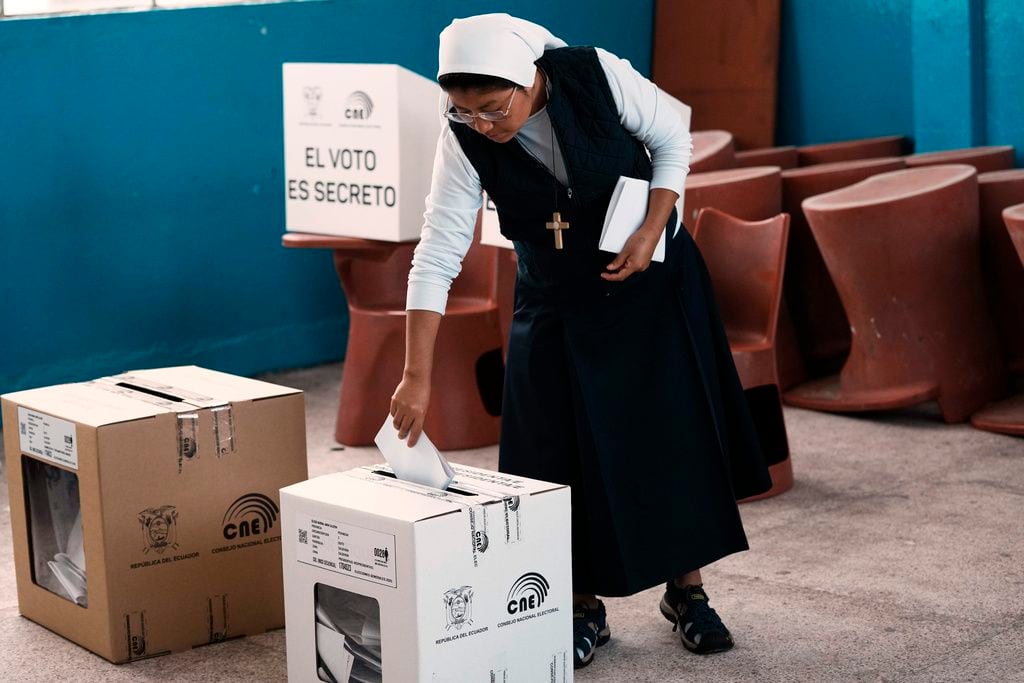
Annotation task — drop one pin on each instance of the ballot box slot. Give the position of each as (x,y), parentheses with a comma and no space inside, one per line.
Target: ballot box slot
(151,392)
(450,489)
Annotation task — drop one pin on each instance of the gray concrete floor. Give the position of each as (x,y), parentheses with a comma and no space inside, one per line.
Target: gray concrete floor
(898,556)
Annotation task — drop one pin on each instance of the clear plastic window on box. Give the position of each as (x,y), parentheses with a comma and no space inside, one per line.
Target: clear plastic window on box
(348,647)
(55,530)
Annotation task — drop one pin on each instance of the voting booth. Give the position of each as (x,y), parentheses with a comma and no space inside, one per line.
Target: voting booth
(359,144)
(490,228)
(386,580)
(144,507)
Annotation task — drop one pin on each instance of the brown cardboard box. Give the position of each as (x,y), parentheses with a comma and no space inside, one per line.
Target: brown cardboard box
(177,471)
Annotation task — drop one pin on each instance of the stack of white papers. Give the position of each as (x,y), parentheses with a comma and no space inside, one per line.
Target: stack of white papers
(69,567)
(58,552)
(626,213)
(347,636)
(421,464)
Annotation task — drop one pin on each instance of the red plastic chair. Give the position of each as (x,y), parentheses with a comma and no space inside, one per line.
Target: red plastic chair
(902,249)
(984,159)
(1004,275)
(1007,416)
(849,150)
(1014,218)
(752,194)
(713,150)
(468,367)
(746,261)
(783,157)
(822,330)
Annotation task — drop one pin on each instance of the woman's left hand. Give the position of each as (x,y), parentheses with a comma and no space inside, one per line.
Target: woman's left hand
(635,256)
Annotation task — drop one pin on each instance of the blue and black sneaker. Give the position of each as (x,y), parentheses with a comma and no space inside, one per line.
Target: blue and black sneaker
(589,631)
(700,628)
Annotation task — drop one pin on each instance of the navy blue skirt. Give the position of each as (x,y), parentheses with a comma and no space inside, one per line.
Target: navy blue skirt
(627,392)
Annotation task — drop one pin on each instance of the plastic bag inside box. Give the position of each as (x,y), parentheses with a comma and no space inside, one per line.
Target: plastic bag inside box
(55,522)
(347,636)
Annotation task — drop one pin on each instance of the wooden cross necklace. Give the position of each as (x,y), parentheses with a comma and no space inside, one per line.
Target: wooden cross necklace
(558,225)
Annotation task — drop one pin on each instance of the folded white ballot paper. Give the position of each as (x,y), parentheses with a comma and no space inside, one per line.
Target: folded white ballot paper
(626,212)
(420,464)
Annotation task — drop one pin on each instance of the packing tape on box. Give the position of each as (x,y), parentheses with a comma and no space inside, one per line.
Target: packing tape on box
(218,618)
(173,398)
(512,513)
(188,437)
(223,429)
(513,516)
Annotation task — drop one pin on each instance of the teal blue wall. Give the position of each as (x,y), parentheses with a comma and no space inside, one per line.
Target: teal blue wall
(1004,73)
(946,73)
(844,70)
(141,194)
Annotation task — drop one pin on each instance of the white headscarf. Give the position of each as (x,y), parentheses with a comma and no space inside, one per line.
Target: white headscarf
(494,45)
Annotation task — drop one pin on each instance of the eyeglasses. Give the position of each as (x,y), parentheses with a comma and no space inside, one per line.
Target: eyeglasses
(461,117)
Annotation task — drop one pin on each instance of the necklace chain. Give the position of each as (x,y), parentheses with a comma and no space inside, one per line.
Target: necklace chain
(554,159)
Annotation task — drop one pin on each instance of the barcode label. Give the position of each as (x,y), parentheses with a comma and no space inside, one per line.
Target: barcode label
(355,551)
(48,438)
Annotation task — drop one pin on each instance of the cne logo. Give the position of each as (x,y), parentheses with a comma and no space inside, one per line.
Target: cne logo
(137,645)
(481,542)
(358,106)
(527,593)
(250,515)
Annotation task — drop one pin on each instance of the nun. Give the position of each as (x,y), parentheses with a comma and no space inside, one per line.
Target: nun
(619,380)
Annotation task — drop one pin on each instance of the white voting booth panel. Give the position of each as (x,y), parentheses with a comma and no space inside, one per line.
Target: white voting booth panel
(391,581)
(359,145)
(490,229)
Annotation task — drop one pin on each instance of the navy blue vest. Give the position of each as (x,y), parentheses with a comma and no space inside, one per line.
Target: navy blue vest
(595,147)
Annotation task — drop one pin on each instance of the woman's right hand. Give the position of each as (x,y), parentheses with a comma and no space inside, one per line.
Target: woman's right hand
(409,407)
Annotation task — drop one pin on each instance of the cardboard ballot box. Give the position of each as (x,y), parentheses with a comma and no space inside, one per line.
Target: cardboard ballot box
(391,581)
(144,507)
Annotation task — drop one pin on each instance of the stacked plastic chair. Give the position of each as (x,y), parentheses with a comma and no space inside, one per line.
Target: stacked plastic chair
(746,261)
(848,150)
(783,157)
(468,367)
(713,150)
(820,324)
(1007,416)
(984,159)
(902,249)
(1002,270)
(747,193)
